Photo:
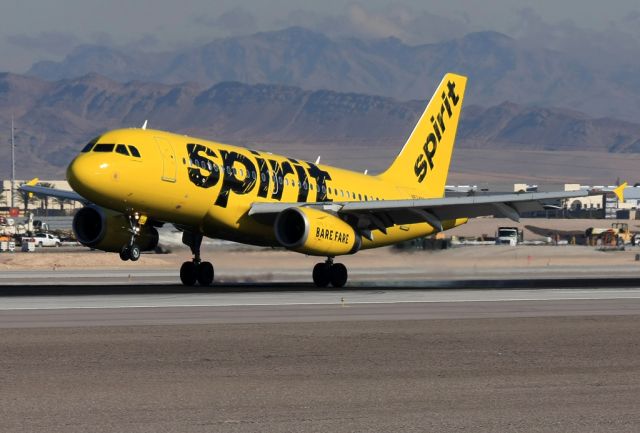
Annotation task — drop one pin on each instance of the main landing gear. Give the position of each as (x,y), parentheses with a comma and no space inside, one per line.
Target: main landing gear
(195,270)
(131,251)
(329,272)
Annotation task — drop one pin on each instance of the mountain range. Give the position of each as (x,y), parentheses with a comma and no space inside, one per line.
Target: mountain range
(55,118)
(500,68)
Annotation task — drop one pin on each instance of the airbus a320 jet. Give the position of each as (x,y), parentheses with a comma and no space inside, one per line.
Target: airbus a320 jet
(135,180)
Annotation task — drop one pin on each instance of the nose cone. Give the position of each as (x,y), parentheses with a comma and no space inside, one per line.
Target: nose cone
(76,173)
(86,174)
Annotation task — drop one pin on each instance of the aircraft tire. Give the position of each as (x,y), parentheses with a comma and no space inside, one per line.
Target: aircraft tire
(205,274)
(321,275)
(188,273)
(134,253)
(338,275)
(124,254)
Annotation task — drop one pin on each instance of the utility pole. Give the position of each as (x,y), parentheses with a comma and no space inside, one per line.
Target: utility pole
(13,167)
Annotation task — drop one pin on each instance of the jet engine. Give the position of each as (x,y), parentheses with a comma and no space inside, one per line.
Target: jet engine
(107,230)
(315,232)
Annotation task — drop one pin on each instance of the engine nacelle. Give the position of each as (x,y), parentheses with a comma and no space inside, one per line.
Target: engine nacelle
(315,232)
(107,230)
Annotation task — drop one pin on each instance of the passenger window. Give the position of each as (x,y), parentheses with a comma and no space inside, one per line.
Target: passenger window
(342,193)
(359,197)
(286,181)
(311,186)
(90,145)
(235,171)
(104,148)
(134,151)
(121,148)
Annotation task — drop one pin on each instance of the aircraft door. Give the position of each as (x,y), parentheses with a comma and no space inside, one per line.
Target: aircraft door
(169,165)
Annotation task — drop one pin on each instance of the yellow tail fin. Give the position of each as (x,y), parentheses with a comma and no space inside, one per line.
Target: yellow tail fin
(423,162)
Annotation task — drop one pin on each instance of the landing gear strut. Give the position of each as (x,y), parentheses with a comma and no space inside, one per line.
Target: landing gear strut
(195,270)
(329,272)
(131,251)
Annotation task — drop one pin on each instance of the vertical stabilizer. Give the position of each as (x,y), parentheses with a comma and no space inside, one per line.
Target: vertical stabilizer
(423,162)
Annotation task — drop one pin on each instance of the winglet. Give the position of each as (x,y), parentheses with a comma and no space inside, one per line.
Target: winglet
(619,191)
(32,182)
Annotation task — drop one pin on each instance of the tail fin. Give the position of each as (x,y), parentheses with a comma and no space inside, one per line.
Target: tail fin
(423,162)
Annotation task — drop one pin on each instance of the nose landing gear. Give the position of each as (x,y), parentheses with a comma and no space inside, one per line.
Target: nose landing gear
(195,270)
(329,272)
(131,251)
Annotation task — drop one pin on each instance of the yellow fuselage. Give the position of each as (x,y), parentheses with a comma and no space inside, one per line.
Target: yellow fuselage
(211,186)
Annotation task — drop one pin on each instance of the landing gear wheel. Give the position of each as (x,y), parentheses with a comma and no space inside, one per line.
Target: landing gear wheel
(124,254)
(188,273)
(338,275)
(134,253)
(205,273)
(321,275)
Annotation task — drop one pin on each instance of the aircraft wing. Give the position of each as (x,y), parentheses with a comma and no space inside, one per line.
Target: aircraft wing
(371,215)
(52,192)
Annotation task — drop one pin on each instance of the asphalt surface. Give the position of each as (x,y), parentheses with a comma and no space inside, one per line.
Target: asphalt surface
(254,359)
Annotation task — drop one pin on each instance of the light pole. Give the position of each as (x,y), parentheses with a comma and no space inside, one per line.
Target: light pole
(13,166)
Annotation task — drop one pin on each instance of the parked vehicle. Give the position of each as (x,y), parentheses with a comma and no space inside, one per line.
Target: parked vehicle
(44,240)
(509,236)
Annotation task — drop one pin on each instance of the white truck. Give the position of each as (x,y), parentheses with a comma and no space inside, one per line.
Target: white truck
(44,240)
(509,236)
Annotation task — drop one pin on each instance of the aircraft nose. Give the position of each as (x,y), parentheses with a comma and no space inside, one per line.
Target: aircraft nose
(86,175)
(76,173)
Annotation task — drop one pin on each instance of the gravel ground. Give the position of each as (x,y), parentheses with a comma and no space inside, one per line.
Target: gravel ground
(578,374)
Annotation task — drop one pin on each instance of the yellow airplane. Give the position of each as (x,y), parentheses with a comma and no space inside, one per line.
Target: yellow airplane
(134,180)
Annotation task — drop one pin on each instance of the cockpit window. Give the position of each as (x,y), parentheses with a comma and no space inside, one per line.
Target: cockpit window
(121,148)
(103,147)
(134,151)
(90,145)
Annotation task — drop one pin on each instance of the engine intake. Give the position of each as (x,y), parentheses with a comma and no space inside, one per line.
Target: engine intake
(315,232)
(107,230)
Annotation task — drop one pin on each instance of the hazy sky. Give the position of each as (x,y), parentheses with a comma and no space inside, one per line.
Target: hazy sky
(33,30)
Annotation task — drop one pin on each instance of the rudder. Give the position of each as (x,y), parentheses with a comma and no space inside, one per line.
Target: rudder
(423,162)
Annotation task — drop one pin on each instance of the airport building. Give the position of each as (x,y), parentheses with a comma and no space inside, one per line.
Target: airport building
(37,204)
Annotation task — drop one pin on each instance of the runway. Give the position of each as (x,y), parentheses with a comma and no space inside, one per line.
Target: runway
(251,357)
(174,305)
